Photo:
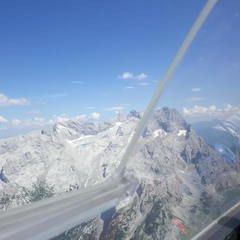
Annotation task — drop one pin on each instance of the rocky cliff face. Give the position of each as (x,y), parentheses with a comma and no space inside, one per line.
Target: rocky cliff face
(224,136)
(181,178)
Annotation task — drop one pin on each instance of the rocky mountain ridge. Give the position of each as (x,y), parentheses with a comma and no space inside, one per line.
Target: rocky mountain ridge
(180,177)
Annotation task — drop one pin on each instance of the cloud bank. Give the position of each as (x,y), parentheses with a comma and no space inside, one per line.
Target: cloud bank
(7,101)
(210,112)
(3,120)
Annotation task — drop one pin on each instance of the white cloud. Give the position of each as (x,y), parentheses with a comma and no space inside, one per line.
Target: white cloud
(6,101)
(16,122)
(141,76)
(40,122)
(90,108)
(50,121)
(3,120)
(27,123)
(131,76)
(126,75)
(95,115)
(32,122)
(57,118)
(211,111)
(61,119)
(196,89)
(129,87)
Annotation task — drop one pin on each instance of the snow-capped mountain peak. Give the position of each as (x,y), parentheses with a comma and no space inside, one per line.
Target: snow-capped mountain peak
(175,168)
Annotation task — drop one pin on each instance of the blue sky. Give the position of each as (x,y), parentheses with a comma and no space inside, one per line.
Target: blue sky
(79,57)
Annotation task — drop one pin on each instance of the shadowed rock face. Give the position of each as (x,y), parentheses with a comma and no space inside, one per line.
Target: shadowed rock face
(73,129)
(3,178)
(224,136)
(169,119)
(180,177)
(134,113)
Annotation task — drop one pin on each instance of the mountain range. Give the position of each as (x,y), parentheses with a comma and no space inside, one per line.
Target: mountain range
(184,176)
